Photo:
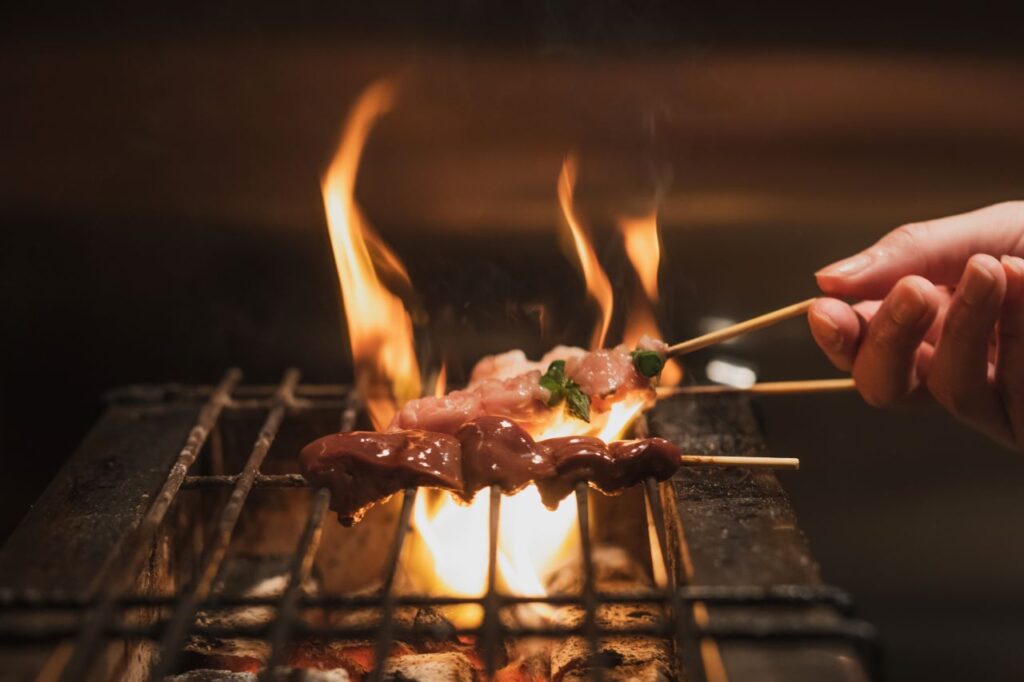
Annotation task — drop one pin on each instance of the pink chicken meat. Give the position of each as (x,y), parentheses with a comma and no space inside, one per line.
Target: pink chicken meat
(508,385)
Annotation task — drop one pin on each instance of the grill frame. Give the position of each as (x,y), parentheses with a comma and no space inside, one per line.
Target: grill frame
(99,606)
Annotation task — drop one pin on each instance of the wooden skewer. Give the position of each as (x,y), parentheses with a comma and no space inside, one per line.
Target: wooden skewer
(765,388)
(751,462)
(759,322)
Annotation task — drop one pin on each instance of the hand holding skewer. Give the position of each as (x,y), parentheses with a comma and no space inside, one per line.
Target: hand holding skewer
(914,335)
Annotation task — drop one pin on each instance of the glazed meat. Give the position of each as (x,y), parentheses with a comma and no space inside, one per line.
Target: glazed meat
(609,468)
(497,451)
(362,468)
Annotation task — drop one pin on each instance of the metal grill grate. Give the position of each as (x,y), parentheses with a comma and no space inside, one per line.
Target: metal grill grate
(98,615)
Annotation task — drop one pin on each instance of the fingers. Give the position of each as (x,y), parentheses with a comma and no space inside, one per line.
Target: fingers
(885,366)
(958,377)
(937,250)
(837,329)
(1010,363)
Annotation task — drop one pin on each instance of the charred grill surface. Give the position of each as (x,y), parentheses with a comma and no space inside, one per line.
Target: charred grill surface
(744,599)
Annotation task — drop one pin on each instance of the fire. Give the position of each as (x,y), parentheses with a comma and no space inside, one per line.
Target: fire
(640,237)
(450,553)
(643,248)
(598,286)
(379,327)
(531,540)
(441,383)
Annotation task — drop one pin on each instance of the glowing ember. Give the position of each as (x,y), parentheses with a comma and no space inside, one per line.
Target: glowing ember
(379,327)
(598,286)
(640,237)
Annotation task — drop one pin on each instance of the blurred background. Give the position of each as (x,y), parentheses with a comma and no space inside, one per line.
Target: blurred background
(161,220)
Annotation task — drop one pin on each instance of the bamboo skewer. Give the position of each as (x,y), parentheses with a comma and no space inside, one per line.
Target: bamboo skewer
(734,461)
(759,322)
(766,388)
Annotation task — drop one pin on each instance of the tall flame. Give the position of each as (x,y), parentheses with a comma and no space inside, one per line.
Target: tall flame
(598,286)
(640,238)
(379,326)
(643,248)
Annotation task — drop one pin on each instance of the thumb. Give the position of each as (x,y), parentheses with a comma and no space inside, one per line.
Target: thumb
(937,250)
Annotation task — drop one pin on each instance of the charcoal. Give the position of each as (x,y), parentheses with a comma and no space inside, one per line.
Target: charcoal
(280,675)
(441,667)
(624,657)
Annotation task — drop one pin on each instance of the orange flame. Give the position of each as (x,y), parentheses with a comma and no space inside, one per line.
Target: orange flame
(379,327)
(441,383)
(598,286)
(643,248)
(531,541)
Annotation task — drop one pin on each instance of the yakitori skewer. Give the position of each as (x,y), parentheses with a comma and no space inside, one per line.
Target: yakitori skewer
(727,333)
(766,388)
(741,461)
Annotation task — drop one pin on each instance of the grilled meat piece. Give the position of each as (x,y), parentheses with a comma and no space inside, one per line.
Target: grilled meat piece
(497,451)
(609,468)
(362,468)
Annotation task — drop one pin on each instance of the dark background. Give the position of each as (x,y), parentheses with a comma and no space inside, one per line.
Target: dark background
(160,220)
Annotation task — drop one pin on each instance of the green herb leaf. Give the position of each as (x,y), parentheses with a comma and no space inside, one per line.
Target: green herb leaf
(554,381)
(577,402)
(648,362)
(562,388)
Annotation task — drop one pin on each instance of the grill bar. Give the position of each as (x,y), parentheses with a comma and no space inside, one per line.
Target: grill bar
(492,622)
(590,626)
(725,595)
(124,563)
(385,634)
(230,480)
(99,615)
(185,610)
(771,629)
(289,605)
(683,625)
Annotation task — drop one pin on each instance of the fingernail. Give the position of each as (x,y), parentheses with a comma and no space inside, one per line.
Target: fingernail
(908,305)
(1014,264)
(828,331)
(977,282)
(847,267)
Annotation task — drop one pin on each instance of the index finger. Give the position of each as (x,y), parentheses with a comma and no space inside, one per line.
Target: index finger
(937,250)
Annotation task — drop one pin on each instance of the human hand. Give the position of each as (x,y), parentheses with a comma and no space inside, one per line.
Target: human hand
(941,314)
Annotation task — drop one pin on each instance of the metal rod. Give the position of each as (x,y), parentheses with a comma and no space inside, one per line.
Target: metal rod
(492,621)
(302,565)
(682,615)
(385,633)
(185,610)
(123,564)
(747,629)
(261,481)
(298,481)
(726,595)
(590,625)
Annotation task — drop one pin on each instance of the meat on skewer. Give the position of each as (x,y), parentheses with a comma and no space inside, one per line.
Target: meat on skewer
(497,451)
(509,385)
(609,468)
(362,468)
